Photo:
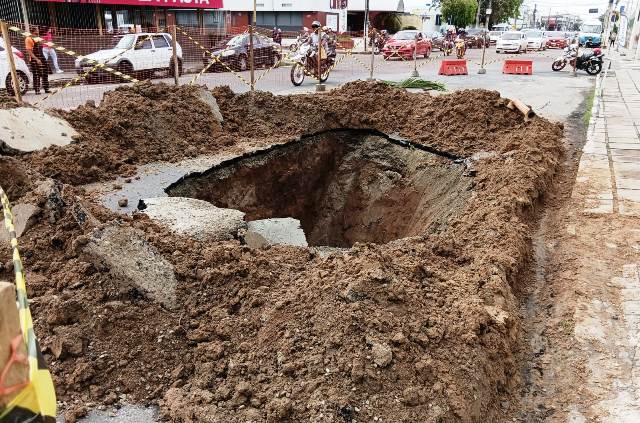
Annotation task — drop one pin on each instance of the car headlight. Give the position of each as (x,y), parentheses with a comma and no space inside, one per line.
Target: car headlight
(228,53)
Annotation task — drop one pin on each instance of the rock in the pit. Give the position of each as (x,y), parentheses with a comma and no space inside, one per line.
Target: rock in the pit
(207,97)
(24,216)
(27,129)
(194,218)
(382,354)
(275,231)
(132,261)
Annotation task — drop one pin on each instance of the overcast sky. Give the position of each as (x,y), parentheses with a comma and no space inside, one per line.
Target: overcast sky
(575,7)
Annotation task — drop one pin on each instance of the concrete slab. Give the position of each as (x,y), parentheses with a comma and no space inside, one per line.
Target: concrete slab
(24,129)
(279,231)
(24,216)
(132,262)
(194,218)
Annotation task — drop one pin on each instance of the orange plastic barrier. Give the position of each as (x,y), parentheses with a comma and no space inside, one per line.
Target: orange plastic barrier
(518,67)
(453,67)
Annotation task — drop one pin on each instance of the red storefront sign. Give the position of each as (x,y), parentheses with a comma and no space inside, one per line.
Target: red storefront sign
(197,4)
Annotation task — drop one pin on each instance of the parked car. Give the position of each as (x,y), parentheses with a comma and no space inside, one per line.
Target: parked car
(557,39)
(24,74)
(135,55)
(235,53)
(494,36)
(536,40)
(402,43)
(437,40)
(512,41)
(475,37)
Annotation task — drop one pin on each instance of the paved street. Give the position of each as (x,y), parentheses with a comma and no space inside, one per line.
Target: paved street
(551,93)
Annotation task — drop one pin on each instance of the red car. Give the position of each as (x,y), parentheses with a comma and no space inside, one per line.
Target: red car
(556,39)
(402,43)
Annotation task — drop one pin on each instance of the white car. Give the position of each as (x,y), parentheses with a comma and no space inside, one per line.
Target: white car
(24,74)
(536,40)
(512,41)
(494,36)
(132,55)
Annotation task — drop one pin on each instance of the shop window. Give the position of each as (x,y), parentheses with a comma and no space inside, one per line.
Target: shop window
(213,19)
(186,18)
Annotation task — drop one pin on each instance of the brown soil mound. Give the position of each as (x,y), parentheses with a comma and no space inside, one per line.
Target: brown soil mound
(420,329)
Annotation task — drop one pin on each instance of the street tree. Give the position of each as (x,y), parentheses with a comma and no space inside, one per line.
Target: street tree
(460,13)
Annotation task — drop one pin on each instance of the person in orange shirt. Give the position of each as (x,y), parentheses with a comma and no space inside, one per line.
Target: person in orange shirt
(37,61)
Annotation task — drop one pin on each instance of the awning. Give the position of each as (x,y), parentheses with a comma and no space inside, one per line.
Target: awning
(191,4)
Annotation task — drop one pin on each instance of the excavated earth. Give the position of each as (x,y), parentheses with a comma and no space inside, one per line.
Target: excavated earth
(414,319)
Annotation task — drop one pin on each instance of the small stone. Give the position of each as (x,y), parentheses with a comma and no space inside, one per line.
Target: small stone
(382,354)
(123,202)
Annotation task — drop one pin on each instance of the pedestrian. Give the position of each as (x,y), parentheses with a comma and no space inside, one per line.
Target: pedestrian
(612,39)
(50,52)
(37,61)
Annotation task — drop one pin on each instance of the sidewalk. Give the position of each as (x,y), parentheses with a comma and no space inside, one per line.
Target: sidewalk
(601,284)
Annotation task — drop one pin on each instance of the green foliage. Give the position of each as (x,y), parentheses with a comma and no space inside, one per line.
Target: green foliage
(501,9)
(460,13)
(417,83)
(409,27)
(387,20)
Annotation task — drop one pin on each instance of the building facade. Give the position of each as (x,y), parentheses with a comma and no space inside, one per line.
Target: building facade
(112,16)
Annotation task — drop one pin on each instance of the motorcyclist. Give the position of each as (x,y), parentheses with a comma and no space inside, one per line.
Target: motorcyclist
(449,38)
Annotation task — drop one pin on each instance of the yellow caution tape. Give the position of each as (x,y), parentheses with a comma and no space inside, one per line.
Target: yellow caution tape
(38,399)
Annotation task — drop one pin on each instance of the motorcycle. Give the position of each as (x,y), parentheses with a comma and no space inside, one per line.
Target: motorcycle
(377,42)
(306,63)
(591,62)
(302,38)
(447,47)
(461,48)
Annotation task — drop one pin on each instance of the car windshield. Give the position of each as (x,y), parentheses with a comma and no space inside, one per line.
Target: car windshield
(236,41)
(474,31)
(511,36)
(556,34)
(405,35)
(534,34)
(126,41)
(495,33)
(591,28)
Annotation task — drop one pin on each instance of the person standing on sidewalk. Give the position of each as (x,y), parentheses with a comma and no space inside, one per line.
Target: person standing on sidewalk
(50,52)
(37,62)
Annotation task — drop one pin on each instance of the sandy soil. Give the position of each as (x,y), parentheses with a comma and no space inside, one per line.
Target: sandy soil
(426,328)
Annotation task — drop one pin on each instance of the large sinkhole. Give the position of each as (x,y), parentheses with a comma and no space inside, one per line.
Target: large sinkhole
(344,186)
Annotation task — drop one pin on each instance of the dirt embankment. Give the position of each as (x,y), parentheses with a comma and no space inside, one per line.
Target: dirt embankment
(421,329)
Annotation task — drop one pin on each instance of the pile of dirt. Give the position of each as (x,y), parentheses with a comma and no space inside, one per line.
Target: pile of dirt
(420,329)
(133,125)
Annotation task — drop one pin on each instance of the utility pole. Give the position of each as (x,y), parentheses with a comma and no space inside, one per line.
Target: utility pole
(535,9)
(25,14)
(486,38)
(366,24)
(251,53)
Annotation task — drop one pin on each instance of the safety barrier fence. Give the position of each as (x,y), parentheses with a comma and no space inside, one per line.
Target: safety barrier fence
(92,62)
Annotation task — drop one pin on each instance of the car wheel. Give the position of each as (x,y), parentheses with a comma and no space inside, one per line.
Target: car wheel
(23,83)
(427,53)
(275,60)
(242,63)
(125,68)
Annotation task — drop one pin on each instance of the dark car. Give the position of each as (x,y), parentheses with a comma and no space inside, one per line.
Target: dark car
(235,54)
(475,37)
(437,40)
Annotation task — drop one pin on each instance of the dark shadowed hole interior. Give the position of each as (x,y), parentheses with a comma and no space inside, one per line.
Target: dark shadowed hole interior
(344,186)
